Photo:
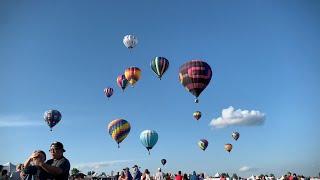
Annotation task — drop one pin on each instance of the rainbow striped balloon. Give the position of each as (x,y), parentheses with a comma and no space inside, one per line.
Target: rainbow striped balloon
(132,74)
(119,129)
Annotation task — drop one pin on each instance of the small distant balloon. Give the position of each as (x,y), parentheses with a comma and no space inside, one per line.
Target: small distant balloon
(122,82)
(159,66)
(197,115)
(203,144)
(228,147)
(108,92)
(52,118)
(235,135)
(130,41)
(163,161)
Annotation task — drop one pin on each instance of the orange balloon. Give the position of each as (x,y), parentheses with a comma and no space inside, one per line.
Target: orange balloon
(228,147)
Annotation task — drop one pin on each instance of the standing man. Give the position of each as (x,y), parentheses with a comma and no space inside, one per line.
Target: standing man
(58,167)
(16,175)
(159,175)
(136,173)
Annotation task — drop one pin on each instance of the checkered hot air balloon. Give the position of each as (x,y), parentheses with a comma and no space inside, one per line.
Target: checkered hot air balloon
(119,129)
(195,76)
(149,138)
(108,92)
(203,144)
(52,118)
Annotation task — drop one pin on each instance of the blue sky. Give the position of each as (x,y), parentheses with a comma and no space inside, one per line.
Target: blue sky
(264,56)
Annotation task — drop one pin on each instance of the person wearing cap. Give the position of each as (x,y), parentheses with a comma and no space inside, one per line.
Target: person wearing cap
(136,173)
(127,174)
(58,167)
(159,175)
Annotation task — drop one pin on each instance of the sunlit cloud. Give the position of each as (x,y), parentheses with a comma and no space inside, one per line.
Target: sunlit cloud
(247,169)
(18,121)
(97,165)
(231,117)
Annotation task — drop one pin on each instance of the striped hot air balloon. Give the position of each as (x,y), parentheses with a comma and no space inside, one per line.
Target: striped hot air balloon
(132,74)
(52,118)
(203,144)
(122,81)
(195,76)
(149,138)
(197,115)
(119,129)
(228,147)
(108,92)
(159,66)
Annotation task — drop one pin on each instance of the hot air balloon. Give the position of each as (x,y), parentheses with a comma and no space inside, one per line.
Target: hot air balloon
(163,161)
(130,41)
(228,147)
(108,92)
(52,117)
(149,138)
(119,129)
(122,81)
(203,144)
(197,115)
(159,66)
(195,76)
(235,135)
(132,74)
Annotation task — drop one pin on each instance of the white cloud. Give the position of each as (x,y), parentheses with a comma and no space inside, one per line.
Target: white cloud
(97,165)
(247,169)
(238,118)
(18,121)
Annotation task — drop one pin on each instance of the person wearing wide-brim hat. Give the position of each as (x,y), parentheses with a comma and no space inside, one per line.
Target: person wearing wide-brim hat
(136,173)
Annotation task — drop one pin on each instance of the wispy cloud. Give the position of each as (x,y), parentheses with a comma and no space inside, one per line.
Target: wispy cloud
(231,117)
(97,165)
(247,169)
(18,121)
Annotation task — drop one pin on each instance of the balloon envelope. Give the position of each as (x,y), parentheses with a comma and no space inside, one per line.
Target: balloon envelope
(195,76)
(52,118)
(159,66)
(130,41)
(119,129)
(203,144)
(149,138)
(122,81)
(235,135)
(163,161)
(197,115)
(108,91)
(132,74)
(228,147)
